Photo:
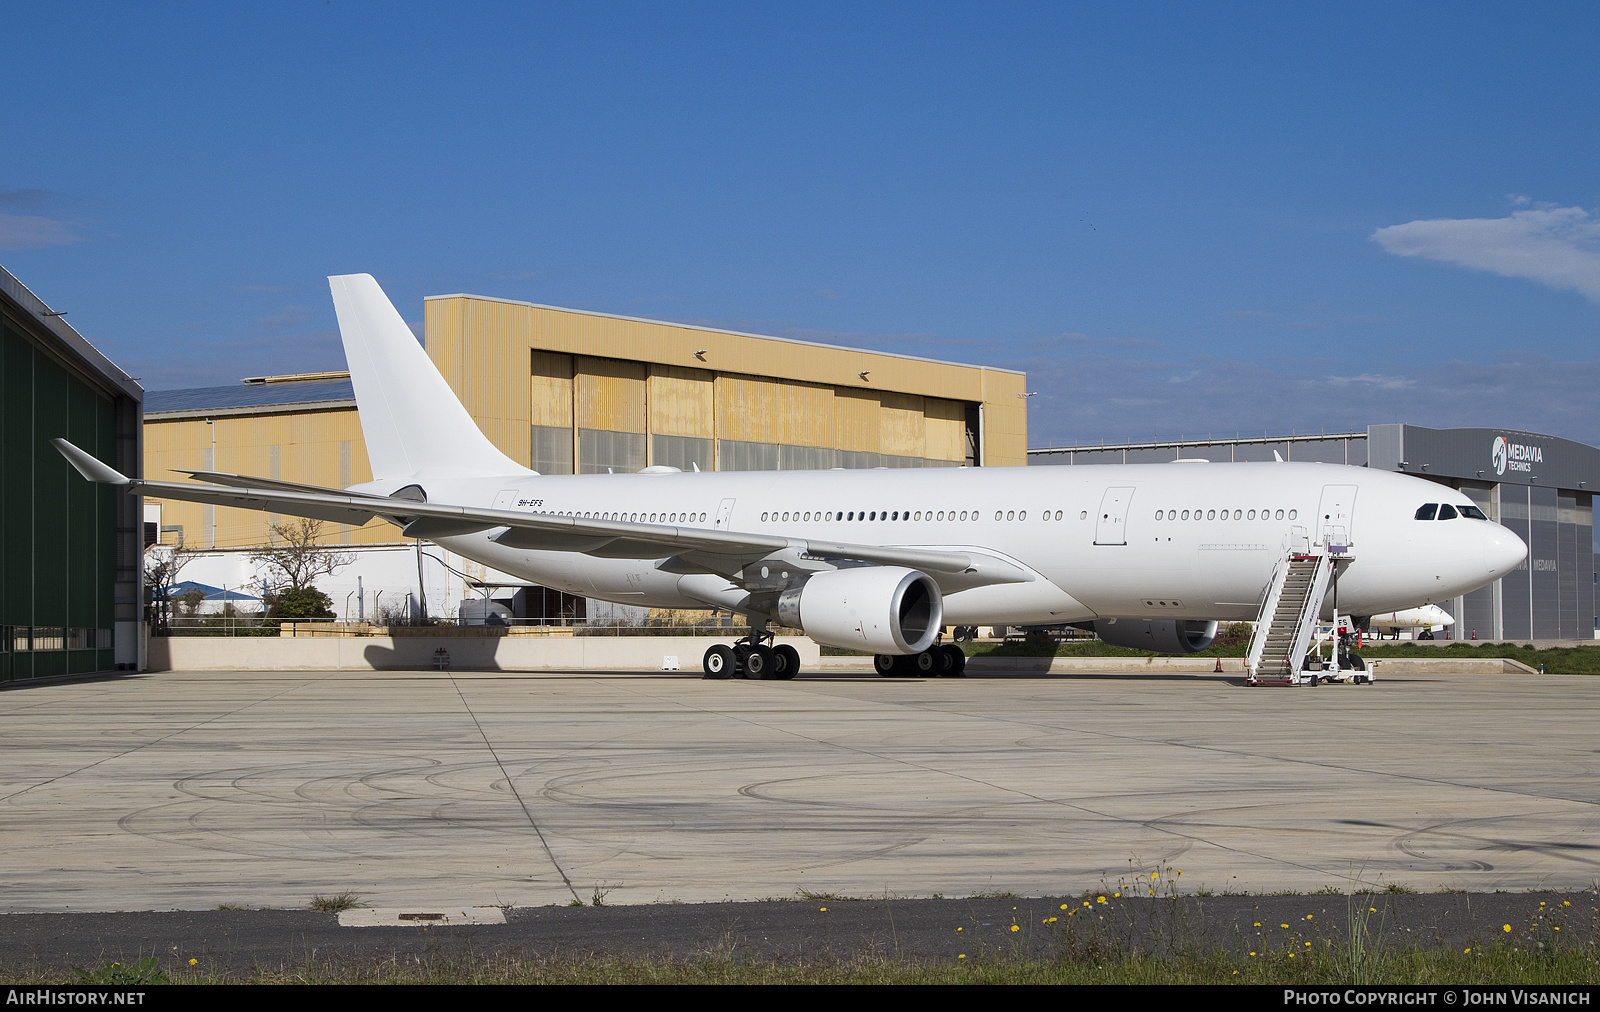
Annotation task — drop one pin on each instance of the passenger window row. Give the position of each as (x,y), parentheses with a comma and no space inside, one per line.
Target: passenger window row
(635,518)
(798,516)
(1225,514)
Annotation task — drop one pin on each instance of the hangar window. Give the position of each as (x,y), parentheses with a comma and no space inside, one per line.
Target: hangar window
(1447,512)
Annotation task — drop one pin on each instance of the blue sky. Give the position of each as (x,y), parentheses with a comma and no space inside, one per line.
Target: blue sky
(1179,219)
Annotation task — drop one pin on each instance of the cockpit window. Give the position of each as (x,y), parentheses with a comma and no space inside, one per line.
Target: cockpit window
(1472,512)
(1447,512)
(1427,512)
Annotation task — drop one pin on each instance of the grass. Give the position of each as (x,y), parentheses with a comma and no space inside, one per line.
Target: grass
(1330,964)
(334,904)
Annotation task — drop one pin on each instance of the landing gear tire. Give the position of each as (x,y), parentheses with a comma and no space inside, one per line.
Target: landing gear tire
(955,665)
(785,661)
(890,665)
(928,664)
(720,662)
(760,663)
(1353,662)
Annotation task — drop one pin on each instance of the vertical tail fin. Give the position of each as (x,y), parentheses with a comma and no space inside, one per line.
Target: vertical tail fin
(411,419)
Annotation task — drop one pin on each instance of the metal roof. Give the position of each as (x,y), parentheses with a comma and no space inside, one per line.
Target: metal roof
(248,395)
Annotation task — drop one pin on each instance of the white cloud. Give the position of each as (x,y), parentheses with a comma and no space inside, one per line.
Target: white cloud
(1376,380)
(30,231)
(1555,246)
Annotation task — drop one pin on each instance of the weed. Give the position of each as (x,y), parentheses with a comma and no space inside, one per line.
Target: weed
(1398,889)
(1328,891)
(336,903)
(230,906)
(601,891)
(145,971)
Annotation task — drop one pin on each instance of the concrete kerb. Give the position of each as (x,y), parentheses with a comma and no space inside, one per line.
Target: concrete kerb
(416,653)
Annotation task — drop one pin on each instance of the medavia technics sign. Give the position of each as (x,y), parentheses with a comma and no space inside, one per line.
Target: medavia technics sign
(1509,456)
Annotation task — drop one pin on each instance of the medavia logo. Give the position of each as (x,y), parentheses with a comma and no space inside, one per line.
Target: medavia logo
(1509,456)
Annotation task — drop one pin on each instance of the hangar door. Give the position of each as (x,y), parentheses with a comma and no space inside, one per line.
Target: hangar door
(1111,526)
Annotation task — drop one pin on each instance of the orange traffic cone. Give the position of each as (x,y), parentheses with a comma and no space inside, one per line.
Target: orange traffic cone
(1219,665)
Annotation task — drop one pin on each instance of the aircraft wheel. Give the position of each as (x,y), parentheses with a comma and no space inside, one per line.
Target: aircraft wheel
(928,663)
(719,662)
(964,633)
(956,661)
(1355,663)
(760,663)
(889,665)
(785,661)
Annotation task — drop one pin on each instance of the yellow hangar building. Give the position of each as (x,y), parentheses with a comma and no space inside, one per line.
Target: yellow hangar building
(568,391)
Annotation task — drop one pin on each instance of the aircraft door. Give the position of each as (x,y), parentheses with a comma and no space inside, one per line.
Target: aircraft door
(1111,526)
(724,515)
(1335,516)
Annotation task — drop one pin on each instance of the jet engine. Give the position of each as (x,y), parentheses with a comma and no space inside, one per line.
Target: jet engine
(884,609)
(1163,635)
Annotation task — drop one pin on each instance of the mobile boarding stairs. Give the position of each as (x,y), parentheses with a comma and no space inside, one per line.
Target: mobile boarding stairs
(1286,629)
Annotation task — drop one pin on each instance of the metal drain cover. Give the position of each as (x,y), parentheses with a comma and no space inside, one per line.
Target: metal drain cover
(418,917)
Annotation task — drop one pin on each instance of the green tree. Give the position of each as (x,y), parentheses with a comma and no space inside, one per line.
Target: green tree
(293,562)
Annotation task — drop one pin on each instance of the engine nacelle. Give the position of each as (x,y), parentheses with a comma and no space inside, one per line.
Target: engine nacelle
(1163,635)
(885,609)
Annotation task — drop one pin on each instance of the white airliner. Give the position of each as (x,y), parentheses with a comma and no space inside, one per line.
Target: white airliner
(1152,555)
(1425,619)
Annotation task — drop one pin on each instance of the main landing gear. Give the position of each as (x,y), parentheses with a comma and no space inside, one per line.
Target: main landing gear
(948,660)
(752,656)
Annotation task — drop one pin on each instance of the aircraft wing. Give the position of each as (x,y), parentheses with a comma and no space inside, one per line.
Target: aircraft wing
(686,549)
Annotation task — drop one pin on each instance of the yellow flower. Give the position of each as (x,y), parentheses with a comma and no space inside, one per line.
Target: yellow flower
(1152,874)
(1098,899)
(1507,928)
(824,909)
(1283,925)
(962,956)
(1372,910)
(1258,924)
(1252,954)
(1015,928)
(1308,917)
(193,962)
(958,929)
(1116,895)
(1466,950)
(1566,903)
(1291,955)
(1063,906)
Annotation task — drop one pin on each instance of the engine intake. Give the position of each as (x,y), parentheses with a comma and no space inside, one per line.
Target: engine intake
(884,609)
(1163,635)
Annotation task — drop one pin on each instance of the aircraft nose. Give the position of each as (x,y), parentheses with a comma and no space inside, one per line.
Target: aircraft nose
(1503,551)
